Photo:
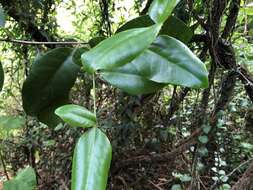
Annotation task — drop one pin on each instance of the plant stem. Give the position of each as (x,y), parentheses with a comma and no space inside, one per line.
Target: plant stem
(26,42)
(94,94)
(4,166)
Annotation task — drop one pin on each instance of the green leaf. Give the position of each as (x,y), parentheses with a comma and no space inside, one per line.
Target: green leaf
(1,76)
(47,115)
(49,82)
(203,151)
(119,49)
(160,10)
(246,145)
(95,41)
(13,185)
(9,123)
(185,178)
(25,179)
(167,61)
(59,127)
(76,55)
(203,139)
(171,61)
(76,116)
(176,28)
(91,162)
(206,129)
(130,80)
(139,22)
(248,11)
(2,17)
(176,187)
(28,176)
(173,27)
(131,83)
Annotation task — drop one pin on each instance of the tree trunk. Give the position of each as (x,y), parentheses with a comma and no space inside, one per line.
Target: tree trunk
(246,181)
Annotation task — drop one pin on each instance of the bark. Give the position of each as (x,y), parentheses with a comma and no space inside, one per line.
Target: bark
(175,102)
(231,19)
(226,93)
(246,181)
(247,80)
(249,121)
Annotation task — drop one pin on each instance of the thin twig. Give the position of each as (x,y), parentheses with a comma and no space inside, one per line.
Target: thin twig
(26,42)
(4,166)
(242,164)
(201,182)
(64,185)
(157,186)
(232,172)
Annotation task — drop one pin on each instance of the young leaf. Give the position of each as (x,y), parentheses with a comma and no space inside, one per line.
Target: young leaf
(76,116)
(91,161)
(119,49)
(160,10)
(49,82)
(1,76)
(76,55)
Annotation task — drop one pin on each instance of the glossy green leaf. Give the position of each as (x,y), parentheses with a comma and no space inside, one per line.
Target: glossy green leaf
(1,76)
(77,53)
(25,179)
(139,22)
(160,10)
(167,61)
(131,80)
(170,61)
(91,161)
(49,81)
(76,116)
(2,17)
(47,115)
(119,49)
(173,27)
(176,28)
